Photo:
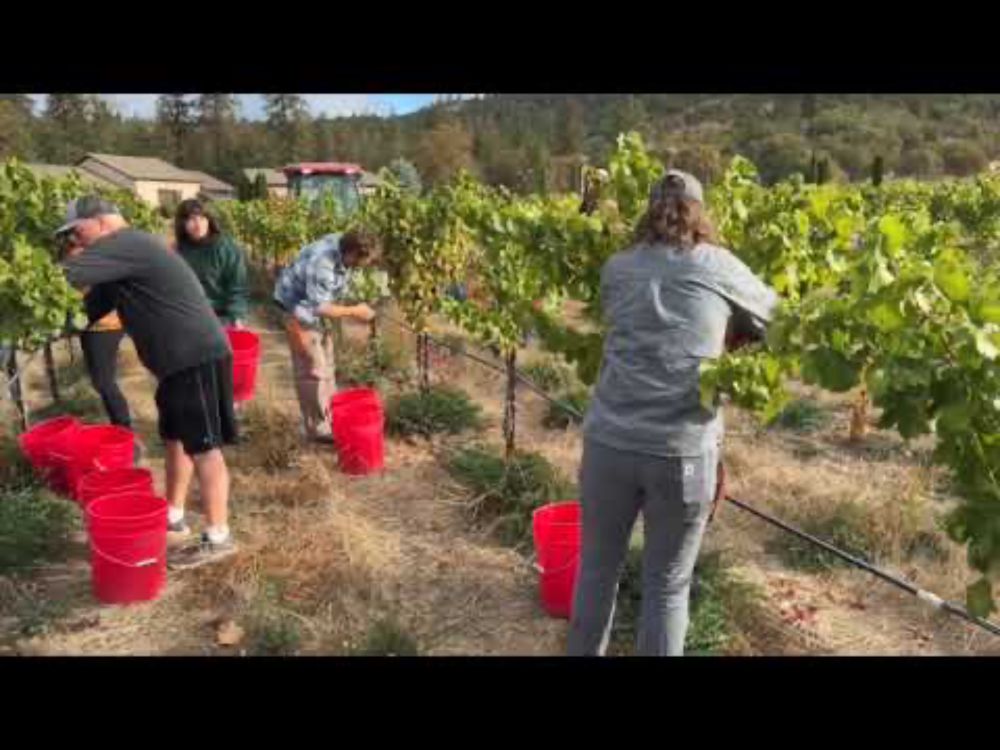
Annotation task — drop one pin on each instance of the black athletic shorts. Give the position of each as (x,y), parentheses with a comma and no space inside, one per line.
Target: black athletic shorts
(196,406)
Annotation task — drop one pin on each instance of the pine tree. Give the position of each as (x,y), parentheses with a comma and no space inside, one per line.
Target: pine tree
(66,117)
(175,113)
(260,186)
(216,116)
(407,175)
(288,120)
(878,171)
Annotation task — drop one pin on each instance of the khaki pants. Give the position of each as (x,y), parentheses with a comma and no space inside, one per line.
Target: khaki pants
(315,383)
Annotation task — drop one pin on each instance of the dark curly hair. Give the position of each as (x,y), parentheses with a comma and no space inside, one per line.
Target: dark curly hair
(187,209)
(363,244)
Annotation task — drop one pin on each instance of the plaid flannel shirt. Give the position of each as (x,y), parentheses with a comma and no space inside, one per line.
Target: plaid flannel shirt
(317,278)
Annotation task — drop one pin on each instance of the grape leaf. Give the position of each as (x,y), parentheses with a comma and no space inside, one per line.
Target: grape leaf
(979,598)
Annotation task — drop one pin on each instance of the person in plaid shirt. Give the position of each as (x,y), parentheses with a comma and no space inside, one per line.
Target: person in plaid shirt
(308,291)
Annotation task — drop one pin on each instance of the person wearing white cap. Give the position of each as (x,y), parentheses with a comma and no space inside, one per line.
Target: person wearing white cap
(649,444)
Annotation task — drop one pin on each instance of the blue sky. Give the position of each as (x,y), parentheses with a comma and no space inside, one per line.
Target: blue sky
(252,105)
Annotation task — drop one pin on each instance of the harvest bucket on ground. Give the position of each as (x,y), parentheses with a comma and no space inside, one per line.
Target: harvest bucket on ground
(45,444)
(246,360)
(115,481)
(128,547)
(557,533)
(98,448)
(358,425)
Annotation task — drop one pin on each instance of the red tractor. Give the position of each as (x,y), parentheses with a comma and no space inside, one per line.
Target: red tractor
(316,179)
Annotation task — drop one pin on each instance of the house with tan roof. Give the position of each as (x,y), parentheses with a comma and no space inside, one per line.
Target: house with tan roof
(61,171)
(155,181)
(212,188)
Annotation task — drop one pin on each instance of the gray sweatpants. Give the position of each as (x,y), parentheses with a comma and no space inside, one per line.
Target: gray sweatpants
(675,497)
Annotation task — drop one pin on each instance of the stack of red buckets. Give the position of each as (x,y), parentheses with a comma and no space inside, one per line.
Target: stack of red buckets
(126,522)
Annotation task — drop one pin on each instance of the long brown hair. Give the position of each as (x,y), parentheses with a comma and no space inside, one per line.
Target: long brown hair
(677,221)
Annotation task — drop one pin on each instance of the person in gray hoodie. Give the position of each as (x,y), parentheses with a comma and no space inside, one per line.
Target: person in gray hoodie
(649,444)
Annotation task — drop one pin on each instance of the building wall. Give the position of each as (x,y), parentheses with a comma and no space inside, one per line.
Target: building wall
(149,190)
(278,192)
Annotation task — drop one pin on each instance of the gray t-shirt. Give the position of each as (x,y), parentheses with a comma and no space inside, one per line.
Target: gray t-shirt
(666,310)
(159,299)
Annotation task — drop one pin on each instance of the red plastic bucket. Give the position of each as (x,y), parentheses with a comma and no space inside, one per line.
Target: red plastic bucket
(246,360)
(344,402)
(98,448)
(100,483)
(128,547)
(359,432)
(44,445)
(557,532)
(353,397)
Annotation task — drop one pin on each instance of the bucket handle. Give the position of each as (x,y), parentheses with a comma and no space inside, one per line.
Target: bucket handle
(542,571)
(141,564)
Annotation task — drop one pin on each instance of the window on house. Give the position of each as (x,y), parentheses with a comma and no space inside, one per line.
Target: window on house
(169,199)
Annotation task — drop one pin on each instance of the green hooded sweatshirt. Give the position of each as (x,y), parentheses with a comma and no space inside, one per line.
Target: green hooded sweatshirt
(221,267)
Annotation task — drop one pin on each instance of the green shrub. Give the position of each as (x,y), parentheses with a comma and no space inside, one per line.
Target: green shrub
(505,494)
(272,630)
(718,601)
(550,375)
(439,410)
(388,638)
(371,367)
(846,527)
(803,415)
(35,526)
(559,417)
(15,471)
(275,635)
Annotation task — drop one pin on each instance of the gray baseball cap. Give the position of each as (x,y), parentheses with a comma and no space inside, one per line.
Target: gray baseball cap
(87,207)
(677,183)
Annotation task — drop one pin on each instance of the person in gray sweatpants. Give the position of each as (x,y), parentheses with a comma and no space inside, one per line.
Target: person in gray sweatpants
(649,444)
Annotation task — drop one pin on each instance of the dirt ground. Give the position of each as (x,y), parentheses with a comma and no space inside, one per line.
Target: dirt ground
(329,555)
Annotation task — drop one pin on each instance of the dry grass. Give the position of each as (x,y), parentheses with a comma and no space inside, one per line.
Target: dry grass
(326,561)
(269,440)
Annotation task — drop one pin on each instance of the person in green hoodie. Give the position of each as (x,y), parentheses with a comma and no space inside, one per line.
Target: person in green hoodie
(218,262)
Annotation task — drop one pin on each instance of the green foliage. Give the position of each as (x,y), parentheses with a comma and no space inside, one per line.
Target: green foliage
(260,191)
(550,374)
(559,417)
(845,527)
(803,415)
(719,601)
(275,634)
(35,299)
(373,366)
(438,410)
(388,638)
(15,472)
(406,174)
(506,493)
(272,630)
(35,526)
(370,285)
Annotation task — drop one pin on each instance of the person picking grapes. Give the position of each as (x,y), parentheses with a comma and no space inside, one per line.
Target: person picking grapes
(310,290)
(100,343)
(178,338)
(649,444)
(216,260)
